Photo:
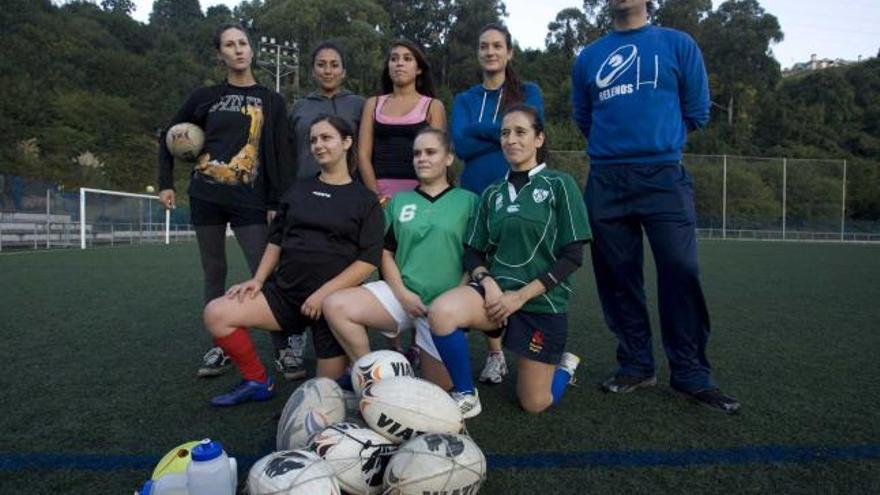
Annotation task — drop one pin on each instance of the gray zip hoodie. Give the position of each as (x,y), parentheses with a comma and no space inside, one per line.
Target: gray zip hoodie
(344,104)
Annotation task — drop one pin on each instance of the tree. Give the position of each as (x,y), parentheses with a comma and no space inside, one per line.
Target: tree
(736,45)
(684,15)
(568,32)
(118,6)
(426,22)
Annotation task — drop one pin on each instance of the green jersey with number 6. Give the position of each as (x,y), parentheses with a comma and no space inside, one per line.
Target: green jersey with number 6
(521,232)
(429,234)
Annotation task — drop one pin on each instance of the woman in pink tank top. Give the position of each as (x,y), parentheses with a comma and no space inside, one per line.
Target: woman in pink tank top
(390,122)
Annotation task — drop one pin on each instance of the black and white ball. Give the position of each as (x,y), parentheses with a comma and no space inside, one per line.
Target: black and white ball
(436,463)
(376,366)
(292,472)
(313,406)
(401,408)
(357,455)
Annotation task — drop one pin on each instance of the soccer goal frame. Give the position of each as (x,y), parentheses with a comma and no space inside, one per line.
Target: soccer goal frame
(83,191)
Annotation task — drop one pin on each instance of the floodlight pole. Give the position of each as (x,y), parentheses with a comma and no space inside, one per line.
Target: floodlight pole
(286,59)
(843,205)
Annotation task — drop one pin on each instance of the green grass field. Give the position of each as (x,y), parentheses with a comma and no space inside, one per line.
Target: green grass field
(100,349)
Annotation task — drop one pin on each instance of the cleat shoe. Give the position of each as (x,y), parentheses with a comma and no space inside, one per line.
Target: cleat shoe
(246,391)
(289,365)
(714,399)
(624,384)
(468,403)
(215,362)
(569,362)
(495,369)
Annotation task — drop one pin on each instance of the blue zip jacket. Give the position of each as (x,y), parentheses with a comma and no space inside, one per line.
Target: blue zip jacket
(637,93)
(476,133)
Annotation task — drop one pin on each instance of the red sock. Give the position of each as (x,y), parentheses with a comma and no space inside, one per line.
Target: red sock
(239,347)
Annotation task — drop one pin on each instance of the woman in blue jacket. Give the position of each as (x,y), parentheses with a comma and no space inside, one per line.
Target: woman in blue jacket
(476,134)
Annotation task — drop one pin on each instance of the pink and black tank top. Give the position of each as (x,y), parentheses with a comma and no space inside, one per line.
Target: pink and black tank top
(393,139)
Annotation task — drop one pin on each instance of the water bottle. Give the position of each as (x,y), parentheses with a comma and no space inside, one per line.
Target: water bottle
(211,471)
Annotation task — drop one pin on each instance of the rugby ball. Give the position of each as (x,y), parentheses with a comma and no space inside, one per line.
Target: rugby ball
(378,365)
(185,141)
(403,407)
(436,463)
(292,472)
(313,406)
(357,455)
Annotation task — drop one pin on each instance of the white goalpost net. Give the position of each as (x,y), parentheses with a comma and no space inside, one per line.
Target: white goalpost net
(115,217)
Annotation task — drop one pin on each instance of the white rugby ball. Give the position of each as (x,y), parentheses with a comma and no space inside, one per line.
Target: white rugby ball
(403,407)
(436,463)
(292,472)
(313,406)
(357,455)
(378,365)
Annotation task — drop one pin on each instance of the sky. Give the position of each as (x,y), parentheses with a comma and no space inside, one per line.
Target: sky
(831,29)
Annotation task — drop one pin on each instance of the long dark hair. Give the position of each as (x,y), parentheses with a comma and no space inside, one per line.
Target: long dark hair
(226,26)
(424,81)
(345,131)
(513,86)
(537,124)
(446,142)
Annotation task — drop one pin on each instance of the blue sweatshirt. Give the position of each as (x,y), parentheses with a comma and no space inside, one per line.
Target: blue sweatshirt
(476,133)
(637,93)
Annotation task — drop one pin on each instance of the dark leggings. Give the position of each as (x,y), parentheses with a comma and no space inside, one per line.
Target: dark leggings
(212,248)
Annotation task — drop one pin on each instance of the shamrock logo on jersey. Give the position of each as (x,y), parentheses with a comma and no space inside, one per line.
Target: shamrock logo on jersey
(539,195)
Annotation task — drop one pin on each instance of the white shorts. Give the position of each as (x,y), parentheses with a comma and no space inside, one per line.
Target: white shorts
(388,301)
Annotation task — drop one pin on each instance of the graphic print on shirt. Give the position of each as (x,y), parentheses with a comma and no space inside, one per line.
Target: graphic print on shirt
(242,167)
(624,72)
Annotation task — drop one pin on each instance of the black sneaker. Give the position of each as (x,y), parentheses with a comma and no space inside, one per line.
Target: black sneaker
(714,399)
(624,384)
(214,362)
(289,365)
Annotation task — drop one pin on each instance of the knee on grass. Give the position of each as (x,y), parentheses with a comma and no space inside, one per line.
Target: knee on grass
(535,405)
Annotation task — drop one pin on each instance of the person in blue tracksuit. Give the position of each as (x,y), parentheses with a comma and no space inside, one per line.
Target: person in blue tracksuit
(637,92)
(476,134)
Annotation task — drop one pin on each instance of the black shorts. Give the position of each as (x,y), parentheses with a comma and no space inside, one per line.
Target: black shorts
(209,213)
(285,306)
(536,336)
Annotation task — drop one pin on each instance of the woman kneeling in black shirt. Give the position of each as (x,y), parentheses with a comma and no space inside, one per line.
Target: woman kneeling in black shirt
(327,236)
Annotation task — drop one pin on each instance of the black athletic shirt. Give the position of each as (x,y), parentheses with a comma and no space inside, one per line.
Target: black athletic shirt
(246,160)
(322,229)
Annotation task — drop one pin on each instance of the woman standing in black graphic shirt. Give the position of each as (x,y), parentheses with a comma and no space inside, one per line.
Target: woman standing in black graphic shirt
(244,167)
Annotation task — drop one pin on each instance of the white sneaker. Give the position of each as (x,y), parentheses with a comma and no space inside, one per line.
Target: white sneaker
(569,362)
(468,403)
(495,369)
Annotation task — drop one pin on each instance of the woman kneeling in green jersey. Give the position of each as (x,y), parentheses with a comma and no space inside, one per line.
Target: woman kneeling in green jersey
(527,236)
(422,258)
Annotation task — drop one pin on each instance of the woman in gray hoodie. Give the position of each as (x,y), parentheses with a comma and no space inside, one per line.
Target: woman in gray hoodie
(328,69)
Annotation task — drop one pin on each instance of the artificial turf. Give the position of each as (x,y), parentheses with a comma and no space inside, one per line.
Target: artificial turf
(100,349)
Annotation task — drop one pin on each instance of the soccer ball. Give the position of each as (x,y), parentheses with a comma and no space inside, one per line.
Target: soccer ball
(185,141)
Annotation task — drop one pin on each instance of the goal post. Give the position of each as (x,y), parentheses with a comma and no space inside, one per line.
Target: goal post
(129,217)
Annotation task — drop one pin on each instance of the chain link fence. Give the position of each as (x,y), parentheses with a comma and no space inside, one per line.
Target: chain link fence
(739,197)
